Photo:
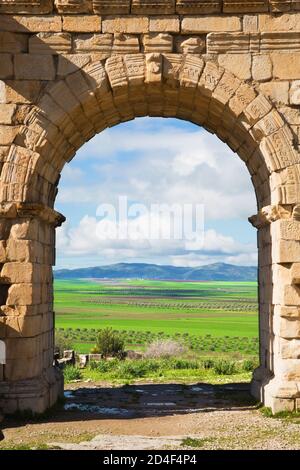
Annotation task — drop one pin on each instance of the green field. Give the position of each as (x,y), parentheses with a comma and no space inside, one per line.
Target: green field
(209,316)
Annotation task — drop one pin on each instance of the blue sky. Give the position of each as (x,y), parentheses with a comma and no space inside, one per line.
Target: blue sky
(162,161)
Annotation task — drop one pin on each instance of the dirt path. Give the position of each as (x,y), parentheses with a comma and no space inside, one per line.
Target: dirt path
(155,417)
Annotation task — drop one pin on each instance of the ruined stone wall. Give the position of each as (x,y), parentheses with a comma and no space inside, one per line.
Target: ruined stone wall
(68,70)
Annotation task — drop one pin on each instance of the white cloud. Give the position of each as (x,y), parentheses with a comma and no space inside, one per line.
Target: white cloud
(153,161)
(84,241)
(162,165)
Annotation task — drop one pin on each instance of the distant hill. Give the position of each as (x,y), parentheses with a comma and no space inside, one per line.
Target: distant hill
(210,272)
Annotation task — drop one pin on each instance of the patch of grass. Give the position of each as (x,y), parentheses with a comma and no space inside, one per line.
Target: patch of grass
(193,442)
(29,446)
(72,373)
(287,415)
(161,370)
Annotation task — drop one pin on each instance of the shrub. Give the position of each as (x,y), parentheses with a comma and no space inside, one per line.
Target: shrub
(249,365)
(164,349)
(208,363)
(103,366)
(72,373)
(181,364)
(224,367)
(62,342)
(109,343)
(137,369)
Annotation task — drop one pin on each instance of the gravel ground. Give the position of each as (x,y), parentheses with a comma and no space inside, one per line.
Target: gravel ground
(155,417)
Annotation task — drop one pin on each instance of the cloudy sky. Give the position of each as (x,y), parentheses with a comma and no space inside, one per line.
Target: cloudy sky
(155,161)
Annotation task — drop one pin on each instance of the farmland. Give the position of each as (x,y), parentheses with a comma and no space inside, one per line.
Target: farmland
(210,317)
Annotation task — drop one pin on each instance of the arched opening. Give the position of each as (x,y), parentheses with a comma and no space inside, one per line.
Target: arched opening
(154,301)
(102,95)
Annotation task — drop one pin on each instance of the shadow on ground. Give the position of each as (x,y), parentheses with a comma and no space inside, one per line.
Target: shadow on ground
(143,400)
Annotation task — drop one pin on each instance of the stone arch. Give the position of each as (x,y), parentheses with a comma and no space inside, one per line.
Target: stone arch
(102,94)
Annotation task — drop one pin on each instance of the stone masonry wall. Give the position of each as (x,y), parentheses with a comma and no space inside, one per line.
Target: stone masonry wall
(69,69)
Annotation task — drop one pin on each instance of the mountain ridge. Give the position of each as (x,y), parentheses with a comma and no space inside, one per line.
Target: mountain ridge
(209,272)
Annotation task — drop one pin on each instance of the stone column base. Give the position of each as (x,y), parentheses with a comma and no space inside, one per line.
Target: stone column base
(34,395)
(275,394)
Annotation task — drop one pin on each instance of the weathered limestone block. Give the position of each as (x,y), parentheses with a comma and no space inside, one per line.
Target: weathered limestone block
(81,23)
(26,229)
(289,370)
(21,250)
(235,6)
(125,44)
(134,24)
(153,68)
(153,7)
(286,251)
(50,43)
(223,43)
(196,6)
(31,6)
(278,91)
(19,272)
(34,67)
(226,88)
(14,369)
(250,23)
(289,348)
(207,24)
(210,78)
(73,6)
(8,134)
(158,42)
(6,66)
(243,96)
(257,109)
(12,43)
(286,230)
(279,149)
(23,347)
(287,295)
(285,22)
(287,311)
(24,294)
(284,5)
(111,7)
(295,93)
(101,43)
(269,124)
(191,45)
(162,24)
(286,66)
(19,91)
(34,24)
(238,65)
(70,63)
(261,67)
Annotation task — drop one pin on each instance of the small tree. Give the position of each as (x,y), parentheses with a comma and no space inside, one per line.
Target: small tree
(109,343)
